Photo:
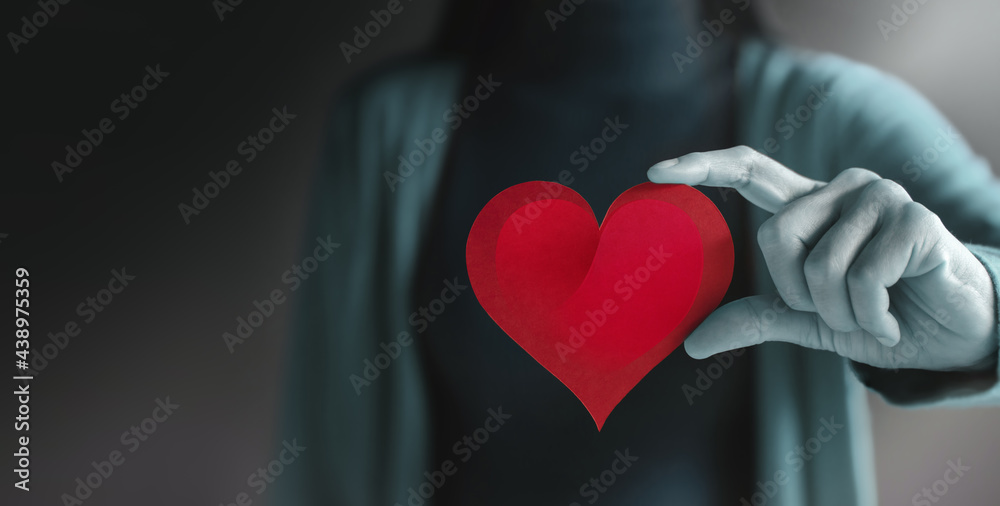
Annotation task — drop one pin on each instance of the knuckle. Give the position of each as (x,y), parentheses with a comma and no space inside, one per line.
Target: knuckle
(917,224)
(820,268)
(797,301)
(859,276)
(773,232)
(744,152)
(857,175)
(915,213)
(826,338)
(885,191)
(767,235)
(748,162)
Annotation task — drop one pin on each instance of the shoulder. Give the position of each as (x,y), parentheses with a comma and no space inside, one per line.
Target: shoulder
(771,72)
(399,89)
(830,110)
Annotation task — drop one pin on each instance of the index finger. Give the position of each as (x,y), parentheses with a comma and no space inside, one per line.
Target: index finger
(763,181)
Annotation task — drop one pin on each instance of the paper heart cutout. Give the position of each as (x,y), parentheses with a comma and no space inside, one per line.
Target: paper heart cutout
(599,307)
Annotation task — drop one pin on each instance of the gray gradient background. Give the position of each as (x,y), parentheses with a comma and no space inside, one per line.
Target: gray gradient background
(161,336)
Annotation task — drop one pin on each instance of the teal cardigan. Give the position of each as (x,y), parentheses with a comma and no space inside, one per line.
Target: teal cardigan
(368,449)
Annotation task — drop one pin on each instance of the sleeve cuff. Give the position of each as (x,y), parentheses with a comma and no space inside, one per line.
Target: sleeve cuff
(914,387)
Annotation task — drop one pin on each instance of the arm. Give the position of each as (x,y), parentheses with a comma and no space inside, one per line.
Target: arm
(878,122)
(868,273)
(892,127)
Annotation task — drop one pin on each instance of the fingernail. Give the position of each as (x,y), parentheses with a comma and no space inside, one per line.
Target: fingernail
(665,164)
(887,341)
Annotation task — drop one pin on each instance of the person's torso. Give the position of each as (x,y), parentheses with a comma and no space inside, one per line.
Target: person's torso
(690,427)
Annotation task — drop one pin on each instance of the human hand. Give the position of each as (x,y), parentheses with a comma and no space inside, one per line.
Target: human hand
(868,273)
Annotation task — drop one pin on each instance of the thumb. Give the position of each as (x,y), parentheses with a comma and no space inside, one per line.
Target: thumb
(751,321)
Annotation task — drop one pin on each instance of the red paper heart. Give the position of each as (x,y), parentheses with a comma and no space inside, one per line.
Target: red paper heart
(599,307)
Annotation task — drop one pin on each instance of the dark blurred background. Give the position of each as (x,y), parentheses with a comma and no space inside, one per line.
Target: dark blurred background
(162,336)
